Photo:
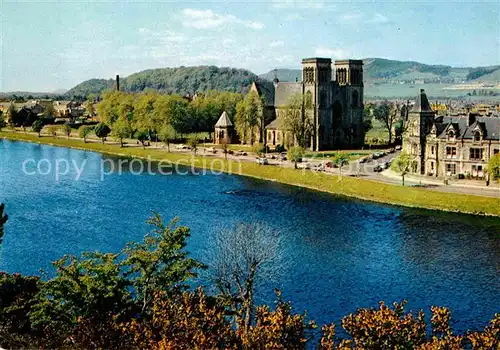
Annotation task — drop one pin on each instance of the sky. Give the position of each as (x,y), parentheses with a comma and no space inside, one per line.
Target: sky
(55,45)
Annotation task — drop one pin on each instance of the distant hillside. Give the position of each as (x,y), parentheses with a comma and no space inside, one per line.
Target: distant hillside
(92,86)
(283,75)
(381,70)
(180,80)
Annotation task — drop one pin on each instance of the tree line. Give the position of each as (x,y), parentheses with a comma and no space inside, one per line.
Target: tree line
(146,296)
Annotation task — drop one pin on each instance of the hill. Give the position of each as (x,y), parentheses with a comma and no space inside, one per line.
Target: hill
(181,80)
(381,70)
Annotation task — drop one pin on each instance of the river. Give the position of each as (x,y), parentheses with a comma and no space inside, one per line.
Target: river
(338,254)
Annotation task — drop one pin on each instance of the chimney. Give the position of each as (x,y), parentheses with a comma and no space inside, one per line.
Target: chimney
(117,82)
(472,118)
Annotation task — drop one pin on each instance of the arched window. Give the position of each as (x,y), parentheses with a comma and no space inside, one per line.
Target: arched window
(477,136)
(355,99)
(451,134)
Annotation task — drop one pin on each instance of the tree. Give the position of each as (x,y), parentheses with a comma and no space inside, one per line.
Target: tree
(3,220)
(2,121)
(84,131)
(242,257)
(37,126)
(12,116)
(142,136)
(143,113)
(224,146)
(388,113)
(295,155)
(102,131)
(248,117)
(160,263)
(66,128)
(166,134)
(49,111)
(296,119)
(494,167)
(89,105)
(402,165)
(193,142)
(121,129)
(341,160)
(52,130)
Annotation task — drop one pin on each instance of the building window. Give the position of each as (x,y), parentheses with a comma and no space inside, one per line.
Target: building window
(476,154)
(477,136)
(432,150)
(451,134)
(495,152)
(451,152)
(451,169)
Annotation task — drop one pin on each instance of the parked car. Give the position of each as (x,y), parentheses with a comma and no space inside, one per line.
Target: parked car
(262,161)
(378,168)
(211,150)
(363,160)
(240,153)
(181,146)
(386,165)
(398,148)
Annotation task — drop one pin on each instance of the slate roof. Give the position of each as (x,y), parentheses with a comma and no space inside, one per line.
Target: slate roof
(285,91)
(490,126)
(223,121)
(266,89)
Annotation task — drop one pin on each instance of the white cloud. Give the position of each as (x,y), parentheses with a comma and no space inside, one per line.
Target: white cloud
(380,19)
(335,53)
(278,43)
(207,19)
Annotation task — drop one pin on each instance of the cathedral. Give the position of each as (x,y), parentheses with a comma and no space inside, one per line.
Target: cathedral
(336,92)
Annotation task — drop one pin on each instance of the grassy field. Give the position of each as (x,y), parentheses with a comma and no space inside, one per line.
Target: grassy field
(347,186)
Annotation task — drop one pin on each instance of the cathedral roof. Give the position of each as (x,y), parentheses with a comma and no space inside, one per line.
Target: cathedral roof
(266,90)
(422,104)
(285,91)
(223,121)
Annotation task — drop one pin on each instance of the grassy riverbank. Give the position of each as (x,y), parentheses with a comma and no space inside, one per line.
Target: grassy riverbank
(348,186)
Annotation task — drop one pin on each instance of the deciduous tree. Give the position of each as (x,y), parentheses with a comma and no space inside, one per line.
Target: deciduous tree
(402,165)
(84,131)
(242,257)
(37,126)
(102,131)
(296,119)
(388,113)
(295,155)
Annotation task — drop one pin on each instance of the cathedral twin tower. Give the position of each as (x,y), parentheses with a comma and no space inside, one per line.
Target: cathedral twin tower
(337,101)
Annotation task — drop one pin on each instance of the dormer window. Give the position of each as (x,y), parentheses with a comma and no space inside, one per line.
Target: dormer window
(451,134)
(477,136)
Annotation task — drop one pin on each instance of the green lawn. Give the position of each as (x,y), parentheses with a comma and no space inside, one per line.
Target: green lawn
(353,187)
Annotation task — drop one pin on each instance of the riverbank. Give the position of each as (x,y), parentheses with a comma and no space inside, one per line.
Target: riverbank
(346,186)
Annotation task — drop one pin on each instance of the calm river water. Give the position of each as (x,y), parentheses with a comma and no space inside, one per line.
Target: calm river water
(339,254)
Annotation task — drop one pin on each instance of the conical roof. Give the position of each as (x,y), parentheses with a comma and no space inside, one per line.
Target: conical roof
(223,121)
(422,103)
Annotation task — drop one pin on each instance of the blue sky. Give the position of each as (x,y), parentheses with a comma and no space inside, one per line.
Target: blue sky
(52,45)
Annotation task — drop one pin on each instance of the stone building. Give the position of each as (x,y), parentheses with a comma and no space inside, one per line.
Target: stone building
(336,92)
(224,130)
(444,146)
